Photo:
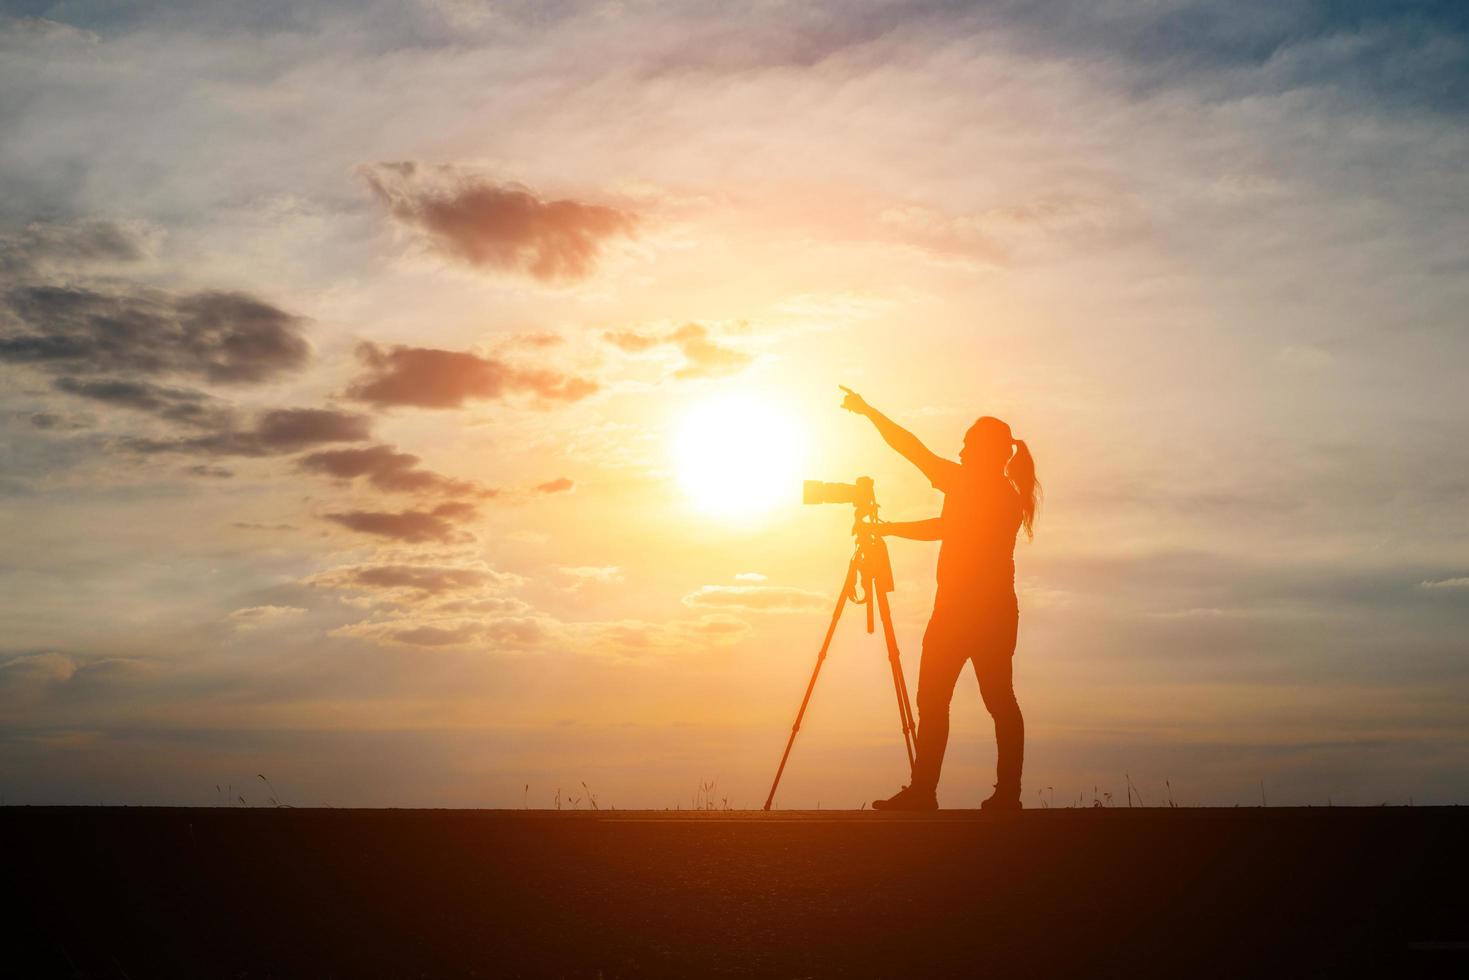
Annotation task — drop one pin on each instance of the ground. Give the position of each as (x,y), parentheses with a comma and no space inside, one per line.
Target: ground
(146,892)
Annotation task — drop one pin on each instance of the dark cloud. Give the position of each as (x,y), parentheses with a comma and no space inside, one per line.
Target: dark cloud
(53,422)
(389,470)
(703,358)
(65,675)
(428,378)
(1361,49)
(413,526)
(213,472)
(498,226)
(221,337)
(40,247)
(274,433)
(559,485)
(181,405)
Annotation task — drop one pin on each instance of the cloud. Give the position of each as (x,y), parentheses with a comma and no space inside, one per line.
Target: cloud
(703,358)
(37,668)
(502,633)
(254,617)
(429,636)
(50,421)
(638,638)
(274,433)
(463,604)
(526,631)
(414,526)
(1446,584)
(69,675)
(541,338)
(559,485)
(402,582)
(716,628)
(749,577)
(220,337)
(183,405)
(706,359)
(582,574)
(41,248)
(390,471)
(941,233)
(757,598)
(505,227)
(287,429)
(428,378)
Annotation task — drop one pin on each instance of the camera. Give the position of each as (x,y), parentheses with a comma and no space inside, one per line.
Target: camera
(859,494)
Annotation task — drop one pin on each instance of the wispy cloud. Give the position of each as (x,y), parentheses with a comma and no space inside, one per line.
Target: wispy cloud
(390,471)
(186,406)
(425,377)
(756,598)
(703,357)
(397,582)
(272,433)
(43,248)
(254,617)
(440,523)
(1448,584)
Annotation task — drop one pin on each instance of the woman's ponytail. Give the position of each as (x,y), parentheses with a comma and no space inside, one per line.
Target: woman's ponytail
(1021,471)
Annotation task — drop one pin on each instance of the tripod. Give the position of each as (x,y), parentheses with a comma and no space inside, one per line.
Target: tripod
(871,568)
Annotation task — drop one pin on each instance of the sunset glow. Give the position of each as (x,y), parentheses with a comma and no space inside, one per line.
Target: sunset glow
(432,383)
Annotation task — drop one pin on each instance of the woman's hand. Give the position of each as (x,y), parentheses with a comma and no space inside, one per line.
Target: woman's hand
(854,402)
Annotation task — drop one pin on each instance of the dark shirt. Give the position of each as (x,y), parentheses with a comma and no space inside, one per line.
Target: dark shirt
(980,518)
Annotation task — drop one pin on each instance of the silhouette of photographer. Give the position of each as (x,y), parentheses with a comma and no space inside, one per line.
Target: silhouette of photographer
(989,495)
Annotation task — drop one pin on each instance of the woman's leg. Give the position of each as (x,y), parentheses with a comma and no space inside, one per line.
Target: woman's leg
(943,658)
(997,688)
(994,666)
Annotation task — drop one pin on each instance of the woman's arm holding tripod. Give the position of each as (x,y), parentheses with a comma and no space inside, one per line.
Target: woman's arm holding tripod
(929,530)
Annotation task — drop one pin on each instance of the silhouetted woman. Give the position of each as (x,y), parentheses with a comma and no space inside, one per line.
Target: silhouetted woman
(989,495)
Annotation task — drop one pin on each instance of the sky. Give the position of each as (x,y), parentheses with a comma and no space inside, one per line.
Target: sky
(407,402)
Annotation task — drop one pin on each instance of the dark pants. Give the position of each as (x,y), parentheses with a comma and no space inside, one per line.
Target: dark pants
(982,634)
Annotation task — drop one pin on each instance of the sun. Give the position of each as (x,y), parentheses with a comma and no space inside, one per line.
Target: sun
(738,455)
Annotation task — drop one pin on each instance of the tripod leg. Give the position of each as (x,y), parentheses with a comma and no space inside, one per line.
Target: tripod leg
(905,706)
(820,656)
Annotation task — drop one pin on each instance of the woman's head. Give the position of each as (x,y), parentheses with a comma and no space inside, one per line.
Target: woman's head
(989,443)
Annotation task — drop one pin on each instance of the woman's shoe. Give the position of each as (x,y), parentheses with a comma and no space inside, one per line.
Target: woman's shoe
(908,798)
(1002,799)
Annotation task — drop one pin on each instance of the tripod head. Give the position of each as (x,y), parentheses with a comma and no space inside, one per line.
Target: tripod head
(874,571)
(871,557)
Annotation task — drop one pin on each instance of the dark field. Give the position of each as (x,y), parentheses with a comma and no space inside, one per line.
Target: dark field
(139,892)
